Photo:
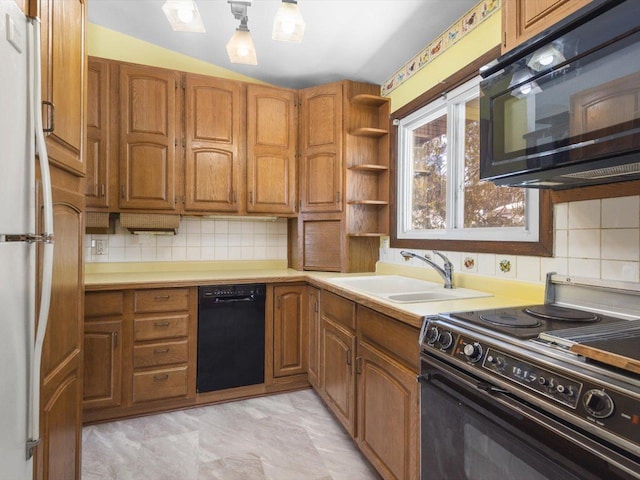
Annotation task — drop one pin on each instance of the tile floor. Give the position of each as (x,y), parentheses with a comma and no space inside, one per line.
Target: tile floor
(289,436)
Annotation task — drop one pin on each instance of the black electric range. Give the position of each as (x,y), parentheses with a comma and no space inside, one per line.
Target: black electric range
(526,353)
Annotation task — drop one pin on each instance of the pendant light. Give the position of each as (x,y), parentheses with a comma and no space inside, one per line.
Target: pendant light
(288,26)
(183,15)
(240,47)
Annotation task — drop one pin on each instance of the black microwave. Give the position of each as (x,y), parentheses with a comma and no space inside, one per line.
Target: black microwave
(563,109)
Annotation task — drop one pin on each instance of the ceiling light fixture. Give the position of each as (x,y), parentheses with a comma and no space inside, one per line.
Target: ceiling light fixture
(183,15)
(240,48)
(288,26)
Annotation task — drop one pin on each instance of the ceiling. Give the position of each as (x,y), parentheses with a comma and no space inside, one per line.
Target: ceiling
(364,40)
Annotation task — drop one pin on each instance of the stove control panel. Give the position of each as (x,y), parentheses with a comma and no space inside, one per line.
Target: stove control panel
(545,382)
(614,415)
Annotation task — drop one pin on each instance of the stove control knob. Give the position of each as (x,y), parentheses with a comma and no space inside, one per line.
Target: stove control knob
(598,404)
(446,340)
(432,335)
(473,352)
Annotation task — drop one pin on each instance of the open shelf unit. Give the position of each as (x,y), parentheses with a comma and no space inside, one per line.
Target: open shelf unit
(367,158)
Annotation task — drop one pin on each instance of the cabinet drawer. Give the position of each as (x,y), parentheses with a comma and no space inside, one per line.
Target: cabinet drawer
(161,300)
(155,328)
(103,304)
(160,354)
(338,309)
(395,337)
(159,384)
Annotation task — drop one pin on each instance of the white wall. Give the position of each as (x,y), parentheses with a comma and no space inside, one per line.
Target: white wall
(592,238)
(198,239)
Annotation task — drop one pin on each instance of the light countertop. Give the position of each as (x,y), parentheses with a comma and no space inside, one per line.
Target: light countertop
(505,293)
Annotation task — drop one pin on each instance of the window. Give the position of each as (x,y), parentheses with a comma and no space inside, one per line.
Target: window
(440,195)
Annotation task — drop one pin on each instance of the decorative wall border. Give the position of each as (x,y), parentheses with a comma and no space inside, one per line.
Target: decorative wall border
(465,24)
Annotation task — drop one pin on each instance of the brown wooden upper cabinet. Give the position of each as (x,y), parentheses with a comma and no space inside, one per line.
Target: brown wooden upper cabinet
(522,19)
(214,144)
(63,80)
(321,133)
(271,150)
(149,119)
(98,192)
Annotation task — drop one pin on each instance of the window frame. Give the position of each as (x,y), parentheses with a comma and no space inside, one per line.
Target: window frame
(542,247)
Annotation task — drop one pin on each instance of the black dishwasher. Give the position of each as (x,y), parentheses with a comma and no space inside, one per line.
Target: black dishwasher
(230,336)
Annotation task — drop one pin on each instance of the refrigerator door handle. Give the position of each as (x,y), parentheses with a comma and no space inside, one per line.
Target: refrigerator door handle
(33,420)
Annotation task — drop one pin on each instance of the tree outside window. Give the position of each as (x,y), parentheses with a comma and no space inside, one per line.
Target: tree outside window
(439,184)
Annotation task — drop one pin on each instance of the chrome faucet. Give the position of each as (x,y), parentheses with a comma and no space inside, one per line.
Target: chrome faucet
(446,273)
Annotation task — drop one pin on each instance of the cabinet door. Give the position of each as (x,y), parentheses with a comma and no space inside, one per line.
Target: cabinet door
(522,19)
(321,242)
(98,191)
(214,144)
(58,456)
(388,414)
(63,80)
(148,137)
(271,149)
(289,331)
(321,131)
(313,308)
(102,364)
(338,382)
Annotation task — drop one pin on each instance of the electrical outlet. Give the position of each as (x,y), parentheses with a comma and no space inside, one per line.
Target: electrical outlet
(101,247)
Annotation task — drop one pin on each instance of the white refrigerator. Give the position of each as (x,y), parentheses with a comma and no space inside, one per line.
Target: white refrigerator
(23,308)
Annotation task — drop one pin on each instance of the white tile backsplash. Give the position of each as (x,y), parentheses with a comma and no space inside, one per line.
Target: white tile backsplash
(592,238)
(623,212)
(198,239)
(621,244)
(621,271)
(584,243)
(584,214)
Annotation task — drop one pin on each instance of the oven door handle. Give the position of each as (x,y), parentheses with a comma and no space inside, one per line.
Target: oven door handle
(440,368)
(484,386)
(487,387)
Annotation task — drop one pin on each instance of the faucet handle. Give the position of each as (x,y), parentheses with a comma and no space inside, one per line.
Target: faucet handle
(447,262)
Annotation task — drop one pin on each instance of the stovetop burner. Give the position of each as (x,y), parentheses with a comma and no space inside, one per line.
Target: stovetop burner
(528,322)
(510,320)
(557,313)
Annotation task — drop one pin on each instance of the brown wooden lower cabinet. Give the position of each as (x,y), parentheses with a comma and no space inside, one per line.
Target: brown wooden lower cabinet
(388,415)
(338,381)
(368,365)
(289,330)
(313,331)
(102,364)
(140,351)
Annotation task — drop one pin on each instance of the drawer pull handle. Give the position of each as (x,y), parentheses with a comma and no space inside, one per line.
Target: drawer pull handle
(162,324)
(162,297)
(161,350)
(160,378)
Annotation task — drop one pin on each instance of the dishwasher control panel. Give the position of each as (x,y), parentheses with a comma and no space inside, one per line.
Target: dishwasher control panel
(221,291)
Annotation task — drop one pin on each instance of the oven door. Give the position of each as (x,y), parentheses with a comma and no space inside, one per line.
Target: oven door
(473,431)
